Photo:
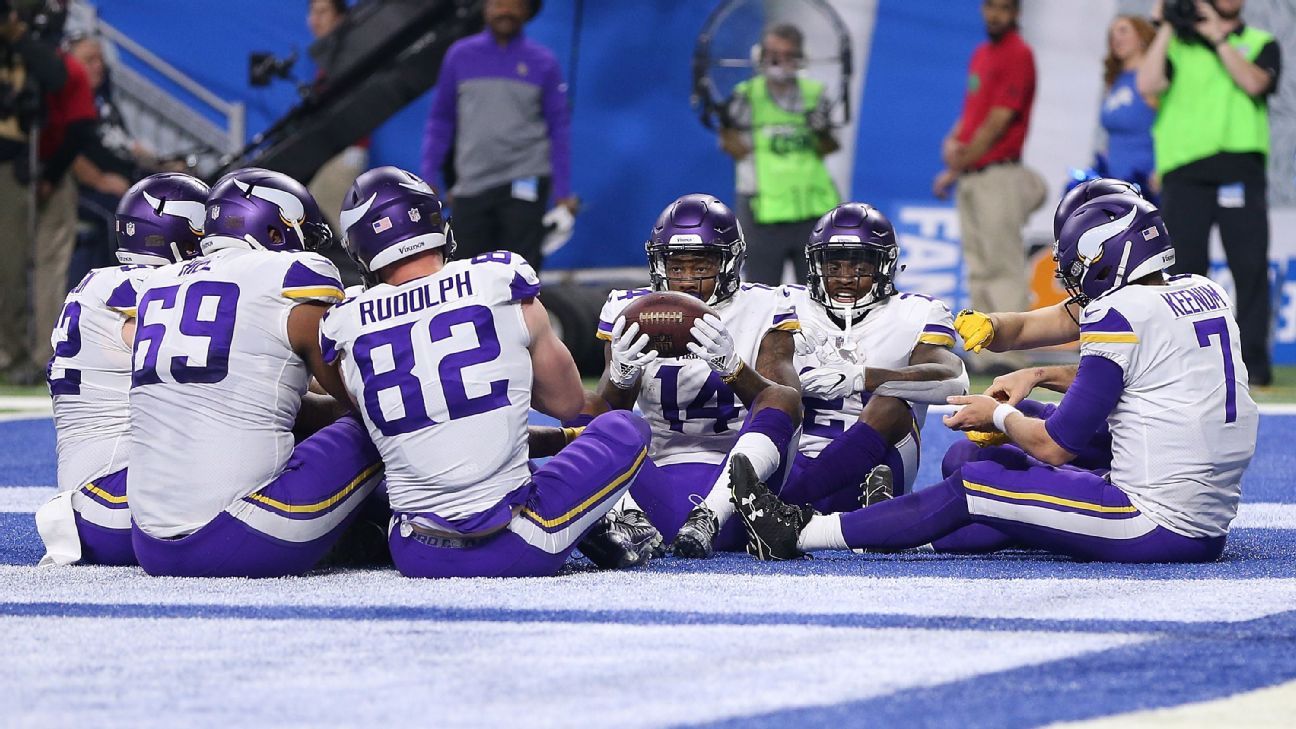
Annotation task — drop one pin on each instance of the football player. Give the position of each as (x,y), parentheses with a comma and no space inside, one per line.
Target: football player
(1047,326)
(159,221)
(1157,361)
(738,391)
(871,361)
(224,348)
(446,358)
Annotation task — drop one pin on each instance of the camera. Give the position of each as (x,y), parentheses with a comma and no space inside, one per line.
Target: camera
(1183,17)
(265,67)
(44,18)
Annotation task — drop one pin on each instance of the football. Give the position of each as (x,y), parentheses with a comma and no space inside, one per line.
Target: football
(666,317)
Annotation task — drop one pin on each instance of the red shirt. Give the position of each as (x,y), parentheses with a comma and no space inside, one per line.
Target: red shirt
(1002,73)
(72,103)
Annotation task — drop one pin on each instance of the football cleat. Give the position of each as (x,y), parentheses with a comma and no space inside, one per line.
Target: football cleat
(610,545)
(772,526)
(645,536)
(878,486)
(694,539)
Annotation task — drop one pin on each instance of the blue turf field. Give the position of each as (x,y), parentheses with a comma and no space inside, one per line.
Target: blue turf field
(842,640)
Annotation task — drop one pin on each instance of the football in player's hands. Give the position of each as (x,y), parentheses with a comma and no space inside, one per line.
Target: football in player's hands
(667,318)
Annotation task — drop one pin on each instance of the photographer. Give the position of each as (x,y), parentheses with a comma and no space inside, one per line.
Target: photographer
(29,70)
(1214,75)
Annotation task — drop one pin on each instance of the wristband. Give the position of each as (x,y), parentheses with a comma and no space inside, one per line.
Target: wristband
(569,434)
(1001,414)
(729,379)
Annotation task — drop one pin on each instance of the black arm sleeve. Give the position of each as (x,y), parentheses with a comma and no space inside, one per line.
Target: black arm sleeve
(80,134)
(1270,59)
(44,64)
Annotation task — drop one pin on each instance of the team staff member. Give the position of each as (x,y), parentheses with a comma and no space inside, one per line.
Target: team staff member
(777,131)
(1212,143)
(502,101)
(982,153)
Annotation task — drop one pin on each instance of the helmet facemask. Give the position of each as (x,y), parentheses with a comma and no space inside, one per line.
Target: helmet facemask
(850,279)
(727,263)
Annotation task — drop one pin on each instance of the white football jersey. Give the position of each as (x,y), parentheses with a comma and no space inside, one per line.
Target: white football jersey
(1184,429)
(885,337)
(695,417)
(90,375)
(216,385)
(441,373)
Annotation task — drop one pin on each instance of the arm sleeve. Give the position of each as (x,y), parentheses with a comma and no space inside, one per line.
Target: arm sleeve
(1087,403)
(558,119)
(124,298)
(784,318)
(939,327)
(313,277)
(438,133)
(1015,89)
(1270,59)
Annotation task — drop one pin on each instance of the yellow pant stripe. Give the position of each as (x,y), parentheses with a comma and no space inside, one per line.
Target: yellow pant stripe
(92,489)
(582,506)
(320,505)
(1047,499)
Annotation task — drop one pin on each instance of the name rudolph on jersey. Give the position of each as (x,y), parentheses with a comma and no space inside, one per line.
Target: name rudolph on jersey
(432,293)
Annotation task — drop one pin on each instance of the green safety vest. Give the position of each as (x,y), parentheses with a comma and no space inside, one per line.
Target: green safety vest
(792,182)
(1204,112)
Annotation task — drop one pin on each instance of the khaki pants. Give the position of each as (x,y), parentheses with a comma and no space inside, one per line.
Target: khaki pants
(15,255)
(55,239)
(993,206)
(334,179)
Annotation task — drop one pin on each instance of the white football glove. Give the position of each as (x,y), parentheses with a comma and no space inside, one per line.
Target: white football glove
(713,344)
(832,381)
(558,223)
(628,356)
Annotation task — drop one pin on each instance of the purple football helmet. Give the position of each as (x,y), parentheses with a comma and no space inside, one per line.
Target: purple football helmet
(390,214)
(858,233)
(266,210)
(160,219)
(1108,242)
(698,224)
(1086,191)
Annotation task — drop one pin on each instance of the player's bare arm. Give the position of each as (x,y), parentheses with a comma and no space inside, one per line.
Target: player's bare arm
(977,412)
(557,390)
(303,335)
(1010,331)
(934,373)
(1013,387)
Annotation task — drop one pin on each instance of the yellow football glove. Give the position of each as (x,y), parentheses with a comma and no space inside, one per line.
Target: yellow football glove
(975,328)
(985,438)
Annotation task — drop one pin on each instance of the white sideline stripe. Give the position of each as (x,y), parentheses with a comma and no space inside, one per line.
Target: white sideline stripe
(26,402)
(1272,706)
(1265,408)
(1262,515)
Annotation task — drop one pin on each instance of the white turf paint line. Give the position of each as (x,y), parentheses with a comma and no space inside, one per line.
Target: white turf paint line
(26,499)
(1178,600)
(1265,409)
(305,673)
(32,403)
(1267,707)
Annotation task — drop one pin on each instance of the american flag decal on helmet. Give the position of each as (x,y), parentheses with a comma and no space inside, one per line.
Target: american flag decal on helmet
(1151,233)
(382,224)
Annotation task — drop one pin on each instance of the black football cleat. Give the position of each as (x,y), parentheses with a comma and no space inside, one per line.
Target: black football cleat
(609,547)
(694,539)
(878,486)
(772,526)
(647,540)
